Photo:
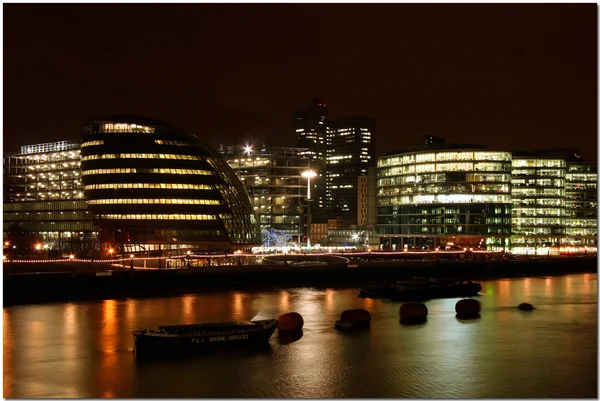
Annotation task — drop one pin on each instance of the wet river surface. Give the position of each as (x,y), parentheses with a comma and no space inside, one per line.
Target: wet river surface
(84,349)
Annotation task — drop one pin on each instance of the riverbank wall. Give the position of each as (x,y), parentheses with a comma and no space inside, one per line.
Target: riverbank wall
(81,284)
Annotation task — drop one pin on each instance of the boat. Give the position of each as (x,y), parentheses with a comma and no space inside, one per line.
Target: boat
(191,337)
(389,290)
(420,292)
(376,291)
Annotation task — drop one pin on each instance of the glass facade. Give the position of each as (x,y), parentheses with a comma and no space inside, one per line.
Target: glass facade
(581,205)
(272,177)
(152,186)
(538,197)
(429,198)
(350,153)
(44,205)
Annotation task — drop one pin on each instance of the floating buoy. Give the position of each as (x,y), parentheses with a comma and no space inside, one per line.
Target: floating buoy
(525,306)
(467,308)
(290,322)
(354,318)
(413,311)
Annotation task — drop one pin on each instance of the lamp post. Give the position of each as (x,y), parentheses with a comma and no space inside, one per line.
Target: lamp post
(131,256)
(308,174)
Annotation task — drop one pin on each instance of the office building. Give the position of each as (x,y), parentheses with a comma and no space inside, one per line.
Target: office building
(310,128)
(581,205)
(155,189)
(272,177)
(538,198)
(444,193)
(45,212)
(350,153)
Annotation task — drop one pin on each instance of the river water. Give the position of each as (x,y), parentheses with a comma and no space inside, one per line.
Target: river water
(84,349)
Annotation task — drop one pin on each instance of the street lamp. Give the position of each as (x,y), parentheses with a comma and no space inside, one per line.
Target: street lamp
(308,174)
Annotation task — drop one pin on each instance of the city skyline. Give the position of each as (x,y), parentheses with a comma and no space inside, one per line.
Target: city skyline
(511,77)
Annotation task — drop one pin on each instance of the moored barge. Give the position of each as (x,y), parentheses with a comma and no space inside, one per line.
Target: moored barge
(192,337)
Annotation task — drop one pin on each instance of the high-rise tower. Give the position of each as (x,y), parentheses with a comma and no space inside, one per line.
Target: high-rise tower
(310,126)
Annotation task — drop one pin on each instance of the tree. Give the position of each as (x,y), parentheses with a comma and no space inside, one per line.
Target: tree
(275,238)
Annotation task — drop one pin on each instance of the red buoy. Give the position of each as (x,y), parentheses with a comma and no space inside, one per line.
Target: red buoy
(290,322)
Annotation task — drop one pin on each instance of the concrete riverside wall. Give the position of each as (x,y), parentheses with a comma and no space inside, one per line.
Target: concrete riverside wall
(123,283)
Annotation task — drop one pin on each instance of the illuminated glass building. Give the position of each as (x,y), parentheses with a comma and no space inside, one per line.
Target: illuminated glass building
(44,204)
(155,188)
(272,176)
(350,153)
(581,205)
(310,127)
(538,197)
(444,193)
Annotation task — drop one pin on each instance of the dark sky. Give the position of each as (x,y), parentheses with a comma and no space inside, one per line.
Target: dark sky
(510,76)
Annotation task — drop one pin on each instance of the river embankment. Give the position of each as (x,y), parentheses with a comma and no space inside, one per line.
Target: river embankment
(104,282)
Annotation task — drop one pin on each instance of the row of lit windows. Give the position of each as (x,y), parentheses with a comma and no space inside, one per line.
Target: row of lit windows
(452,198)
(443,156)
(543,182)
(581,186)
(174,143)
(538,212)
(519,191)
(38,226)
(441,167)
(92,143)
(532,221)
(538,173)
(147,186)
(33,206)
(582,222)
(141,156)
(582,177)
(539,163)
(443,177)
(47,216)
(146,170)
(447,188)
(157,217)
(124,127)
(154,202)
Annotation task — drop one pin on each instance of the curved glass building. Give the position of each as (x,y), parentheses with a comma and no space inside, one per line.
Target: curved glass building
(153,187)
(449,194)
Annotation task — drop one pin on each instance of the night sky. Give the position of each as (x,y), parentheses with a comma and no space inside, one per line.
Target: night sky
(509,76)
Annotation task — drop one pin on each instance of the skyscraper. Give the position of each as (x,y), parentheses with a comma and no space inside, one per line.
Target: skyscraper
(310,126)
(350,153)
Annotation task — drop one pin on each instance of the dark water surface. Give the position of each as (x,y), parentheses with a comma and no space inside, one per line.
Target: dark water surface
(84,349)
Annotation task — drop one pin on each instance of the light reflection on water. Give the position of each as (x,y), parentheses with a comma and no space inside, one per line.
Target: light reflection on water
(83,349)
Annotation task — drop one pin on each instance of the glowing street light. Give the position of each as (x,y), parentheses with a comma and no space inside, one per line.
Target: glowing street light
(38,247)
(308,175)
(248,149)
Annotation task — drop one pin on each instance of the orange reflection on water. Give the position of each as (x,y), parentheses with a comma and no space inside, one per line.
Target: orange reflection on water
(8,348)
(284,302)
(238,305)
(368,304)
(527,287)
(329,303)
(549,286)
(107,369)
(188,307)
(503,287)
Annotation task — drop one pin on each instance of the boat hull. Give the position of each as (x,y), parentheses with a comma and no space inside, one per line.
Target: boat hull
(161,341)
